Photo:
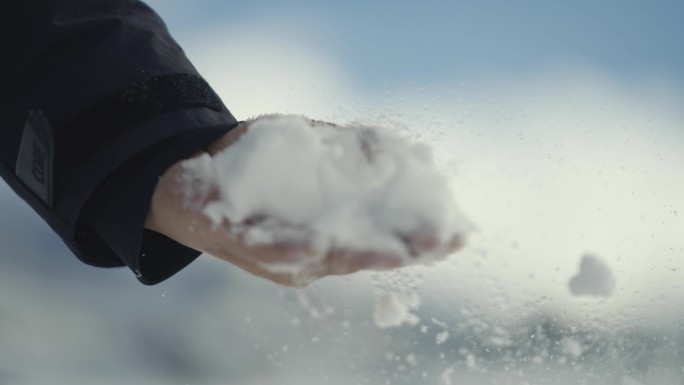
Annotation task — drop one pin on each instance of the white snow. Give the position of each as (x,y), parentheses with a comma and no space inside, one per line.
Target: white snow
(441,338)
(471,361)
(394,309)
(595,278)
(446,376)
(365,189)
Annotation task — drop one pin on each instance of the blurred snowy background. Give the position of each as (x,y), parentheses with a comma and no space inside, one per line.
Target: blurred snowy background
(561,126)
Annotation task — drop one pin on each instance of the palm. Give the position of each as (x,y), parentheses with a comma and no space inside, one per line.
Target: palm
(177,212)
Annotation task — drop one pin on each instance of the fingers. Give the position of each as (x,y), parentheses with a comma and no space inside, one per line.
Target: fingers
(423,242)
(297,264)
(254,268)
(419,243)
(280,253)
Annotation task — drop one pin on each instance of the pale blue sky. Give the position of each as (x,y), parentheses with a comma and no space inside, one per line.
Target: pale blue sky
(386,42)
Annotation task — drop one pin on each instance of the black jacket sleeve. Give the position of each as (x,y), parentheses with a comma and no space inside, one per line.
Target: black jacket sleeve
(96,102)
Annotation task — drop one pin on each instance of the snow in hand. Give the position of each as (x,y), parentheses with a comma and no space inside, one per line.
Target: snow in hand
(358,188)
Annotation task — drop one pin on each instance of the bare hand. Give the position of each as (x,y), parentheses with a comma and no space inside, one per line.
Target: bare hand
(171,215)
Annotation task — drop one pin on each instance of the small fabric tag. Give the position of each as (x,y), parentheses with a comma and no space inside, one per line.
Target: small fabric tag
(36,155)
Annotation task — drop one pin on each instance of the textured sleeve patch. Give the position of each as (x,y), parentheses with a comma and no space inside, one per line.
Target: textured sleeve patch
(132,105)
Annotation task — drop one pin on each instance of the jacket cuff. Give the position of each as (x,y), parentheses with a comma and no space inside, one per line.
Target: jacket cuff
(110,230)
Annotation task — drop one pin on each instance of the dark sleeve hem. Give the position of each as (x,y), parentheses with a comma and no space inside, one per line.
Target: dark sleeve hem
(110,230)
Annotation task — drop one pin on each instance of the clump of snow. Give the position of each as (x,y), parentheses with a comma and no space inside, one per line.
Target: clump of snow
(289,179)
(595,278)
(395,309)
(441,338)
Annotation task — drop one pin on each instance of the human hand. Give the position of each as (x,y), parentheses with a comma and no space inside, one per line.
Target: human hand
(177,211)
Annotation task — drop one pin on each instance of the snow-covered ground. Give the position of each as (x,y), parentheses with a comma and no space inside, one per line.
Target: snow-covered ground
(556,168)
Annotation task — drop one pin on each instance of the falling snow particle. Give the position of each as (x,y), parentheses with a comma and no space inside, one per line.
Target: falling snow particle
(446,376)
(441,337)
(595,278)
(439,323)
